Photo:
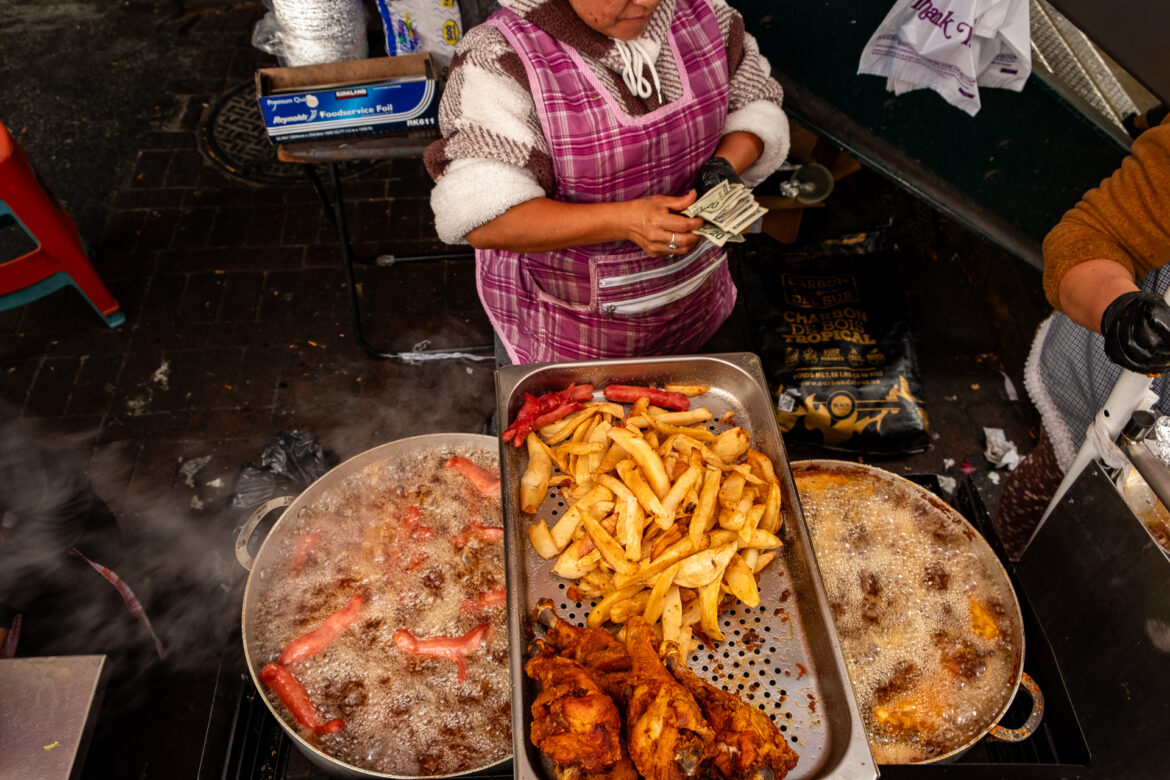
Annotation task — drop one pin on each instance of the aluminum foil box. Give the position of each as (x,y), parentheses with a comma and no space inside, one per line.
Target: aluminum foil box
(379,95)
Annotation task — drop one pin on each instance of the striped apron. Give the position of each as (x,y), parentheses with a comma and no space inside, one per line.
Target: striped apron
(612,300)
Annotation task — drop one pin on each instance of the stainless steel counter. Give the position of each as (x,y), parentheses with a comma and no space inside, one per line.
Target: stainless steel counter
(48,707)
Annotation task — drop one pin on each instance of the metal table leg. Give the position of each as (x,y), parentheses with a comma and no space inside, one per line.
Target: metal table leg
(335,209)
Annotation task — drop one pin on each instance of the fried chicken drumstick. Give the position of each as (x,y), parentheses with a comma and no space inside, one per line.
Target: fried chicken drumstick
(747,745)
(667,735)
(594,648)
(574,723)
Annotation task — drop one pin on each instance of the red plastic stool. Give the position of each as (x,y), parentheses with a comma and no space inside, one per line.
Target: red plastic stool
(60,258)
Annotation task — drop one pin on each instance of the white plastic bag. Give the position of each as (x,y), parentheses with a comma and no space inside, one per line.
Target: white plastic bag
(433,26)
(952,47)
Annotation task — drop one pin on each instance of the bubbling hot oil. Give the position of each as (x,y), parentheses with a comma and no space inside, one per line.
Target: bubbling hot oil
(404,714)
(901,577)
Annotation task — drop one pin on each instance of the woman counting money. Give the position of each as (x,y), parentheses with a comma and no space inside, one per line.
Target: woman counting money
(574,134)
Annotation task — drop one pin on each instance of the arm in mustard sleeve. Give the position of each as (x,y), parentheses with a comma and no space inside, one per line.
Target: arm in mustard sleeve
(1118,232)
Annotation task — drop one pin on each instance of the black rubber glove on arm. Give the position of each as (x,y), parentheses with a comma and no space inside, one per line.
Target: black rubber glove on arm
(1136,327)
(714,171)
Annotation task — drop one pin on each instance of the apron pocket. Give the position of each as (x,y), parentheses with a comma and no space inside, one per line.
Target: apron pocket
(630,285)
(633,327)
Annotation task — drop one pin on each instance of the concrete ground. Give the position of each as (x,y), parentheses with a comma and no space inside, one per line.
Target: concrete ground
(238,326)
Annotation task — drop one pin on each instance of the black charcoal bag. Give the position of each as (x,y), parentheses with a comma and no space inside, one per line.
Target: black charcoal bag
(831,325)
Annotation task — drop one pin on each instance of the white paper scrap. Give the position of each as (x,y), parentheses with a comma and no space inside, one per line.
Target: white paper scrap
(948,484)
(1000,452)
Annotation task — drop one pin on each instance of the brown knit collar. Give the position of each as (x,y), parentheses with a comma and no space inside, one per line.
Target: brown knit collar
(558,19)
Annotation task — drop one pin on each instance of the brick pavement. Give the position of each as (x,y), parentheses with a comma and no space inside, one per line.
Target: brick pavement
(238,326)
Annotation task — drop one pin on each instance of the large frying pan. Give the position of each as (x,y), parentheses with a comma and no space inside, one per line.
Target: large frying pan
(271,560)
(928,620)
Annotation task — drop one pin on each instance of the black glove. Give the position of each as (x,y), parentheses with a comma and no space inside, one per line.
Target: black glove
(1136,327)
(714,171)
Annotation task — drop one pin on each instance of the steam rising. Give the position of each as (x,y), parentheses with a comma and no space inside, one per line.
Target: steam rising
(172,503)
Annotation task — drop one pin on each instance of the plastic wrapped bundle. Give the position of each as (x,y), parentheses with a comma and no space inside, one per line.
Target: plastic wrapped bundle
(311,32)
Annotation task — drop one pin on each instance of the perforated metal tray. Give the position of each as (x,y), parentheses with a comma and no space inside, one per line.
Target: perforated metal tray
(782,656)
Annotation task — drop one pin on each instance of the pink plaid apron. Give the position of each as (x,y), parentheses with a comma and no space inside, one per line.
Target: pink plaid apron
(8,648)
(612,300)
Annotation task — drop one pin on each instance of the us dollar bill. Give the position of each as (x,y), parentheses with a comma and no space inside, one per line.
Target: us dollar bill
(728,210)
(717,235)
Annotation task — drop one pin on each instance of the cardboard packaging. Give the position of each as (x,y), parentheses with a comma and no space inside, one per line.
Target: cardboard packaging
(378,95)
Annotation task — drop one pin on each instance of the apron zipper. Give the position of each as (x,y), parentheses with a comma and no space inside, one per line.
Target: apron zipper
(607,282)
(659,299)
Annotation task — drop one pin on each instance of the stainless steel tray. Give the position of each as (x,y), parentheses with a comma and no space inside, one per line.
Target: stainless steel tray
(797,673)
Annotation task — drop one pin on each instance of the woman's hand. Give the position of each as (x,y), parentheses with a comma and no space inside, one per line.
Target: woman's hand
(652,224)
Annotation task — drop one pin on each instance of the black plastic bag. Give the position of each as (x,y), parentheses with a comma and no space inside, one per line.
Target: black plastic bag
(832,326)
(288,466)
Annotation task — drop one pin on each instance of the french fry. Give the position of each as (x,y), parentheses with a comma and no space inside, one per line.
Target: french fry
(741,581)
(709,610)
(629,530)
(580,448)
(632,478)
(597,437)
(751,521)
(678,491)
(689,417)
(672,614)
(556,432)
(634,605)
(704,517)
(638,408)
(762,466)
(770,522)
(701,434)
(762,559)
(686,641)
(647,569)
(748,476)
(657,600)
(542,540)
(665,540)
(647,459)
(688,390)
(730,445)
(673,465)
(608,408)
(572,567)
(562,532)
(600,613)
(763,540)
(610,550)
(731,490)
(534,483)
(704,567)
(599,581)
(664,516)
(613,456)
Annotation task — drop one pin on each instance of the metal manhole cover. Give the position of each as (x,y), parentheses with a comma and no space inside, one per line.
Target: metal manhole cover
(232,137)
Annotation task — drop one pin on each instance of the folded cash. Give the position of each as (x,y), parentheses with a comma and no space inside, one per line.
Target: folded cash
(718,236)
(728,210)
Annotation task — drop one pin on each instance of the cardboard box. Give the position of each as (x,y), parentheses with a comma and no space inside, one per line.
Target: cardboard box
(378,95)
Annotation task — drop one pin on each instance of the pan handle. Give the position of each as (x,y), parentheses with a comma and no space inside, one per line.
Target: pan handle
(245,558)
(999,733)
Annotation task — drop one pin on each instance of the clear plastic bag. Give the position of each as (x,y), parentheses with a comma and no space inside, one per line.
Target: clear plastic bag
(432,26)
(312,32)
